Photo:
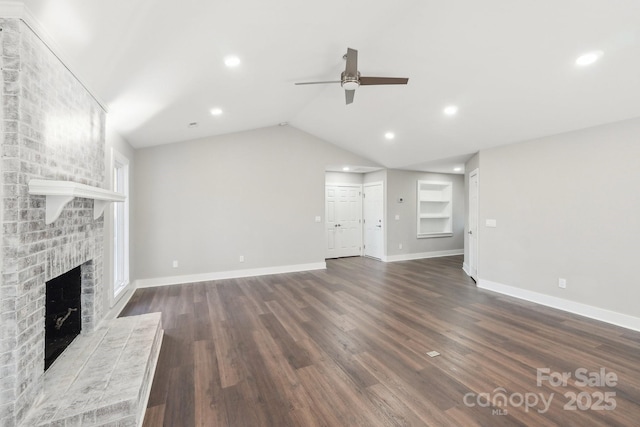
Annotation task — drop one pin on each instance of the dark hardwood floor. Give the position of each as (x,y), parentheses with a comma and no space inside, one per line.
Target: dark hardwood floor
(347,347)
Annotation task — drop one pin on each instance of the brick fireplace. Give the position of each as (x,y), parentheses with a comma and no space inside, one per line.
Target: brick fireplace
(52,128)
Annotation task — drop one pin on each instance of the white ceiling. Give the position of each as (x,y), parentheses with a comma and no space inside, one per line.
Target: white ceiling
(509,66)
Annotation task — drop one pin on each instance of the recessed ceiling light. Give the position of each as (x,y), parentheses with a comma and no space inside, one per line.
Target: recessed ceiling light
(458,169)
(346,168)
(216,112)
(283,124)
(589,58)
(389,135)
(231,61)
(193,125)
(451,110)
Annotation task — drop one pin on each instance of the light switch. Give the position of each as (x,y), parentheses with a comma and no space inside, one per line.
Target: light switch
(318,219)
(491,223)
(397,217)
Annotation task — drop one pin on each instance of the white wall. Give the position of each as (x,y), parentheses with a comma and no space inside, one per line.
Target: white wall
(343,178)
(208,201)
(403,184)
(377,176)
(566,206)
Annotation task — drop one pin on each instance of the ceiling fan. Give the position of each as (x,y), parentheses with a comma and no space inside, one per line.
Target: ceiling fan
(350,79)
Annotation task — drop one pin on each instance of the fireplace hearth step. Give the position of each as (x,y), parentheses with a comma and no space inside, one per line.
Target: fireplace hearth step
(102,378)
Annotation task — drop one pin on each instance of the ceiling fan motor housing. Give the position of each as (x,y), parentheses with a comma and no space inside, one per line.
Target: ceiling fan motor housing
(350,82)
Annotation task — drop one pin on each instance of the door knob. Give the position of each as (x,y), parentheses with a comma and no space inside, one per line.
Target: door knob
(470,232)
(379,226)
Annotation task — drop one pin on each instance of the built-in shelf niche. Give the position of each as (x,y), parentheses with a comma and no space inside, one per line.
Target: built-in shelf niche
(435,209)
(59,193)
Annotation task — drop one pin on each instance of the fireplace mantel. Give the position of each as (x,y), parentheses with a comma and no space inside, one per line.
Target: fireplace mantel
(59,193)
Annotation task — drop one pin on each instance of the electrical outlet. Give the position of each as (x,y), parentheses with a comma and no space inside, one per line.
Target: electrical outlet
(241,258)
(175,263)
(400,246)
(397,217)
(562,283)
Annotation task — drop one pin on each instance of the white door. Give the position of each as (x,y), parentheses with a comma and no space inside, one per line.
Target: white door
(473,225)
(373,220)
(344,220)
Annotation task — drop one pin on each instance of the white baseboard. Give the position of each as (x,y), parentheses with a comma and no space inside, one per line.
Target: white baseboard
(422,255)
(608,316)
(465,268)
(231,274)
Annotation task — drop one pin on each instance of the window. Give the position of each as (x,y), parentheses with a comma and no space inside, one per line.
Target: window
(120,224)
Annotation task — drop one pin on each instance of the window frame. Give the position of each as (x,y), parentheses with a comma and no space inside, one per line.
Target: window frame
(119,212)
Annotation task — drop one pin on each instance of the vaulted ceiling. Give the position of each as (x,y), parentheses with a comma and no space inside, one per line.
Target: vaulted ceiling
(509,66)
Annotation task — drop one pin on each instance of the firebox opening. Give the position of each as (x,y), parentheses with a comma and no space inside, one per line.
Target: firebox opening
(62,313)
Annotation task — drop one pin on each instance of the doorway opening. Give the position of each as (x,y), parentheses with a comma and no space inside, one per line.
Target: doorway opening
(472,232)
(354,214)
(373,221)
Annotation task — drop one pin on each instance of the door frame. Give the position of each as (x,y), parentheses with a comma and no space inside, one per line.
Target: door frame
(469,270)
(384,221)
(361,228)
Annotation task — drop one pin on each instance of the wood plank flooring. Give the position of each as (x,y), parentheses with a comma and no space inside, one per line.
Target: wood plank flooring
(347,346)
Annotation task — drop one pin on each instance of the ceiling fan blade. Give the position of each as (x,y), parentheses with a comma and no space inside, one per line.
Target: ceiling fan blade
(352,63)
(349,94)
(318,83)
(383,80)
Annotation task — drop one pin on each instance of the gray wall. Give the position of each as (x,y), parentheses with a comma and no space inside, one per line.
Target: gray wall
(471,165)
(208,201)
(566,206)
(403,184)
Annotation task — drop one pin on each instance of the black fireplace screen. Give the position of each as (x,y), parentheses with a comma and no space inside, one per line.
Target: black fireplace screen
(63,313)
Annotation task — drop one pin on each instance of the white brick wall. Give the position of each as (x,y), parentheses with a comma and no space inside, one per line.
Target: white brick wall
(52,129)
